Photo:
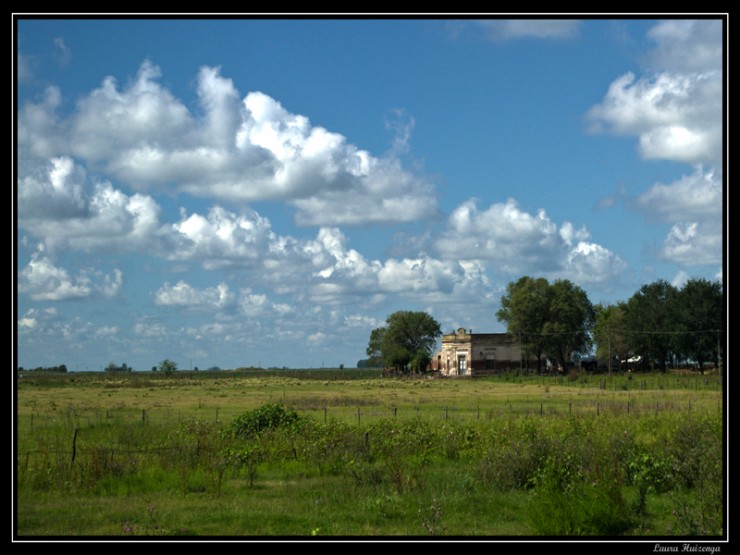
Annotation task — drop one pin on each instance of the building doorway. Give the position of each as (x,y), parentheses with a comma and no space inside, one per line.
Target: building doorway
(462,365)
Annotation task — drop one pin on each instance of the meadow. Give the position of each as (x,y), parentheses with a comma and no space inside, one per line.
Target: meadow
(347,453)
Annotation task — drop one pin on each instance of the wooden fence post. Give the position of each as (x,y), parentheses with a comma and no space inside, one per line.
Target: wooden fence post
(74,448)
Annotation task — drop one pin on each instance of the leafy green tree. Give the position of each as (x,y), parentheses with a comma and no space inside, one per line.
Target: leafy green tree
(571,317)
(650,318)
(609,334)
(420,361)
(550,319)
(524,310)
(375,345)
(700,321)
(167,366)
(405,340)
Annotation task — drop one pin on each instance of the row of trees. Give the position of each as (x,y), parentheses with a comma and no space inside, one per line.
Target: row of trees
(60,368)
(665,324)
(557,322)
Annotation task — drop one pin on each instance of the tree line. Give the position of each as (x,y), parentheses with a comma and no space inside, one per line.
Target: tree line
(557,323)
(60,368)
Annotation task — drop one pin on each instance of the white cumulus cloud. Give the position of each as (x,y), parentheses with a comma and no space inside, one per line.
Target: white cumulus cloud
(42,280)
(675,110)
(184,295)
(516,243)
(231,150)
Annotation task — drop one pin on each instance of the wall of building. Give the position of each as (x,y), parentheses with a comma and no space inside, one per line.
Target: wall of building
(464,353)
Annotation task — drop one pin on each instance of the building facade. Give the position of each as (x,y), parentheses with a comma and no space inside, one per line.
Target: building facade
(465,353)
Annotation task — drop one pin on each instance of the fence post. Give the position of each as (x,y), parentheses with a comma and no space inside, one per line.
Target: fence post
(74,448)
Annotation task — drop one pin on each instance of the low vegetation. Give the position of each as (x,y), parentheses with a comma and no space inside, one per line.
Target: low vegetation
(232,454)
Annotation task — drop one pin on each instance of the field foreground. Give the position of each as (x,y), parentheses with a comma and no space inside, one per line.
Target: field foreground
(319,454)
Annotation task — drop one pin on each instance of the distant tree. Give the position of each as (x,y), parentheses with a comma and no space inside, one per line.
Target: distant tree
(651,320)
(154,368)
(407,336)
(700,314)
(167,366)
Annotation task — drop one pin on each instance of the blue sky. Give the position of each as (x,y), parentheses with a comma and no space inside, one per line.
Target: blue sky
(241,192)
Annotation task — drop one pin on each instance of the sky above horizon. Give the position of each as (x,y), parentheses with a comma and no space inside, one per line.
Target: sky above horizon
(265,192)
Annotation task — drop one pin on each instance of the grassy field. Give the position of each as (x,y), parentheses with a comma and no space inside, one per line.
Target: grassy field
(346,453)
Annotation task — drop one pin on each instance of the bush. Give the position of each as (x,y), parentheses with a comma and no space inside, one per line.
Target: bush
(267,417)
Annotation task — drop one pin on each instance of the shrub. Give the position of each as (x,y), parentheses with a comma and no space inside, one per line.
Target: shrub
(267,417)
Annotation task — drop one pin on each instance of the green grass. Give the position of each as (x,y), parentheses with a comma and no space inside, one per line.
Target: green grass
(506,456)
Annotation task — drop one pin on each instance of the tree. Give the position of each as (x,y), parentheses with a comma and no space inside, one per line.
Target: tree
(609,334)
(650,316)
(699,306)
(553,320)
(406,341)
(567,332)
(524,311)
(167,366)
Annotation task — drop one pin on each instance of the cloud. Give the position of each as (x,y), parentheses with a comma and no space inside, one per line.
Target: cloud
(692,244)
(693,204)
(56,191)
(697,196)
(62,53)
(509,29)
(676,110)
(58,204)
(232,150)
(183,295)
(42,280)
(516,242)
(222,238)
(686,45)
(680,279)
(41,132)
(504,234)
